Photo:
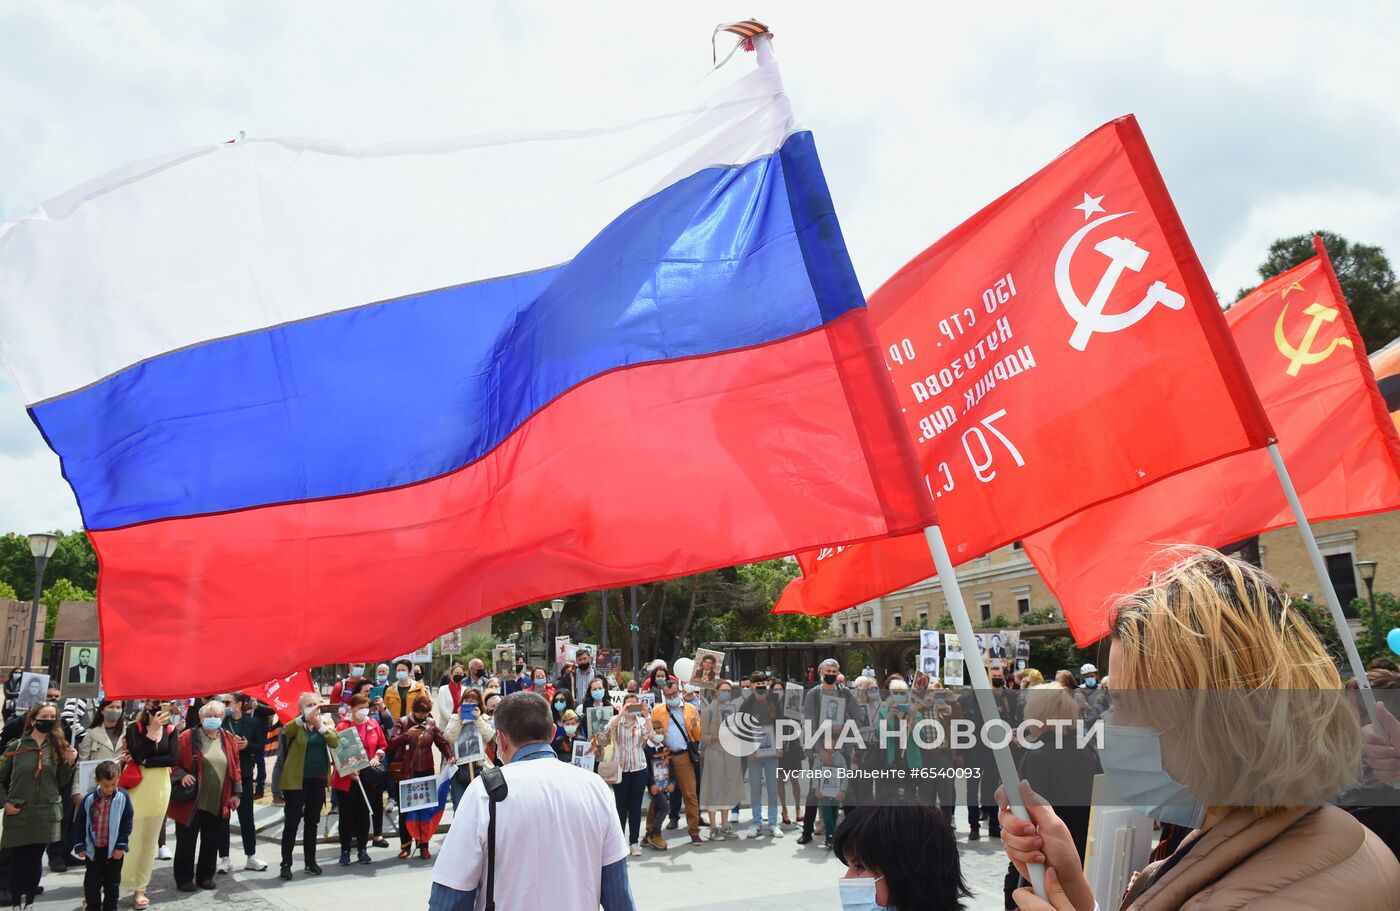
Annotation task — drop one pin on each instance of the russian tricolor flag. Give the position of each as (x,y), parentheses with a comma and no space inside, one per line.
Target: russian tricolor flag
(319,402)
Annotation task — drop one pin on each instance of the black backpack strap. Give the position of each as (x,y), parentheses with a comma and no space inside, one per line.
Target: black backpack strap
(496,791)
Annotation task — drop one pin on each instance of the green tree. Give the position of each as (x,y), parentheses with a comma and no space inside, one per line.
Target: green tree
(8,591)
(1320,618)
(55,594)
(1363,271)
(479,645)
(74,560)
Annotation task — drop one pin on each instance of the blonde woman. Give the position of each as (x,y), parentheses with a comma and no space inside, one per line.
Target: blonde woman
(1216,640)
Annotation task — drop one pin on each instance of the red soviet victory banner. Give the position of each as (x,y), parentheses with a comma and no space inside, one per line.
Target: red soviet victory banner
(1308,364)
(1060,348)
(283,693)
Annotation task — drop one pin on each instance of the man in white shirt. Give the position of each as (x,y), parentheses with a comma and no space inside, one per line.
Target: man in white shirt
(535,868)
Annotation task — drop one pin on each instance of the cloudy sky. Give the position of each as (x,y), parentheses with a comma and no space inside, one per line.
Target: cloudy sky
(1266,119)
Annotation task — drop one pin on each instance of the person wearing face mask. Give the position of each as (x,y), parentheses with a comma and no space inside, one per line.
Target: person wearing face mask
(630,730)
(403,690)
(656,677)
(898,858)
(764,706)
(411,748)
(35,773)
(577,680)
(107,738)
(209,774)
(565,731)
(304,780)
(536,680)
(476,674)
(722,785)
(681,726)
(828,675)
(447,704)
(597,695)
(490,698)
(359,804)
(1211,623)
(486,731)
(151,744)
(1094,696)
(343,688)
(250,734)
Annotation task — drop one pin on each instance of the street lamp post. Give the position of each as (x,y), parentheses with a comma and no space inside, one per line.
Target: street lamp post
(546,612)
(42,546)
(636,663)
(558,605)
(525,630)
(1368,575)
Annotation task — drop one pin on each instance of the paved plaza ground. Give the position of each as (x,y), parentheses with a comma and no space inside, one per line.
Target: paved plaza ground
(732,875)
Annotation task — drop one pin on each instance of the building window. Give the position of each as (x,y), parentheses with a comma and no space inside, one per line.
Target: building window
(898,621)
(923,619)
(986,608)
(1022,605)
(869,628)
(843,629)
(1342,571)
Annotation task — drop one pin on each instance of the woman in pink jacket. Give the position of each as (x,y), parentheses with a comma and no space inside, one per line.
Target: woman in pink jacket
(355,801)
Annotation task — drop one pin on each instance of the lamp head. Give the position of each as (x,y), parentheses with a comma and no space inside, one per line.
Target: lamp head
(43,544)
(1368,570)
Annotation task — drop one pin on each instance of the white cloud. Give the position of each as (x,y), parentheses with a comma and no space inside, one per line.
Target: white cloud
(1267,118)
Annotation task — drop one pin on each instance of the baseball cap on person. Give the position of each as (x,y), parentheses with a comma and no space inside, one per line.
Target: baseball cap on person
(1087,669)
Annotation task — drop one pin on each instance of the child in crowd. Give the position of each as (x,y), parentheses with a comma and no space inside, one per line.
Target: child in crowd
(101,828)
(661,784)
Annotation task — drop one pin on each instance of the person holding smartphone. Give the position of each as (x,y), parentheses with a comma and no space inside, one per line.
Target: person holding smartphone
(304,779)
(630,730)
(150,746)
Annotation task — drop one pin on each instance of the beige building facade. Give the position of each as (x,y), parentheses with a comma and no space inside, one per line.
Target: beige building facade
(1005,582)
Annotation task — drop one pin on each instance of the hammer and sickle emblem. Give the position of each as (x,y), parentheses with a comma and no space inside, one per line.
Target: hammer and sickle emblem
(1301,355)
(1123,254)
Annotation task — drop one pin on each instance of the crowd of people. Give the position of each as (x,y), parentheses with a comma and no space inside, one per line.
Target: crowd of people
(655,746)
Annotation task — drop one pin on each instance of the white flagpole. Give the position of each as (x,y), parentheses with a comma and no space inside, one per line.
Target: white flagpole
(981,686)
(1329,592)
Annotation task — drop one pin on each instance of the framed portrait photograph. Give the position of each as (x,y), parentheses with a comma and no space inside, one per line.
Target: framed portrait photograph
(833,710)
(349,755)
(81,674)
(87,775)
(792,700)
(928,662)
(767,744)
(503,659)
(598,718)
(647,699)
(583,755)
(469,747)
(33,690)
(708,668)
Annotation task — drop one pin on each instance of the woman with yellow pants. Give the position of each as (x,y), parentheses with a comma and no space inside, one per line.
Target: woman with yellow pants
(150,742)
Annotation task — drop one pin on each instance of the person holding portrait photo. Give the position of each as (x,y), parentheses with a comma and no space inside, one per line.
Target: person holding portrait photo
(357,806)
(411,746)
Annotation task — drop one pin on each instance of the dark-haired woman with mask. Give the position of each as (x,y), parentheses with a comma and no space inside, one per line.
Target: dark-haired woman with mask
(150,742)
(411,744)
(34,774)
(105,739)
(899,858)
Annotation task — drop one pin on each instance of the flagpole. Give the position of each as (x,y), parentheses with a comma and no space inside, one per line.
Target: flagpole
(1329,591)
(981,686)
